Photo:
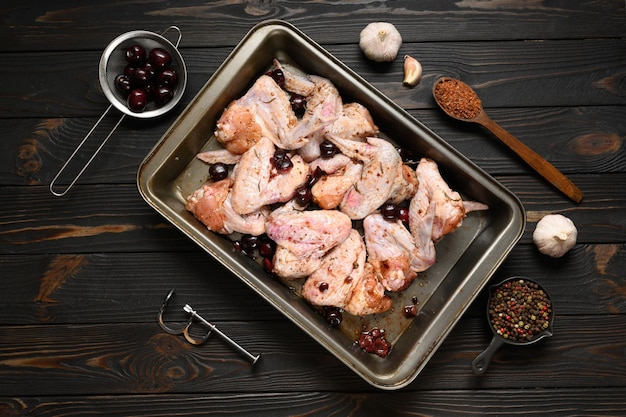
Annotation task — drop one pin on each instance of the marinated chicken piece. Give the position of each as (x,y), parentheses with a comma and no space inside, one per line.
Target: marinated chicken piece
(405,186)
(206,204)
(324,105)
(330,165)
(264,111)
(421,218)
(329,191)
(211,205)
(309,233)
(288,265)
(392,252)
(257,182)
(333,282)
(382,165)
(354,122)
(449,208)
(368,296)
(223,156)
(251,223)
(295,82)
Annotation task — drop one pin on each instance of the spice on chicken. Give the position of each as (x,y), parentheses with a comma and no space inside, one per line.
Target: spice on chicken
(519,310)
(457,99)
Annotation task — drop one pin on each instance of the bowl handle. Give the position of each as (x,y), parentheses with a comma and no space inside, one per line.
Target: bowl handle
(480,364)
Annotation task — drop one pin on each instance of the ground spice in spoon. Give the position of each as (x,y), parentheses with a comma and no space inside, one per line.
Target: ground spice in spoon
(457,98)
(519,310)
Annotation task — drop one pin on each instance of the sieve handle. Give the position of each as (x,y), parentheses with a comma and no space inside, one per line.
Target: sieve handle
(80,145)
(177,29)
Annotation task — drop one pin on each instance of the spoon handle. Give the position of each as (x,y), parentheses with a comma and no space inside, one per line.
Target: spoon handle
(532,158)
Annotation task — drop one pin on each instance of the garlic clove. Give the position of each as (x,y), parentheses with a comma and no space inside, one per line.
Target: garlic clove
(380,41)
(412,71)
(555,235)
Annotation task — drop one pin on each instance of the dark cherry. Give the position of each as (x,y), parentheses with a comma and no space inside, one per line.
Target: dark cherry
(162,95)
(284,166)
(218,171)
(129,70)
(268,265)
(406,155)
(150,90)
(332,315)
(249,243)
(403,215)
(160,58)
(141,77)
(137,100)
(312,179)
(409,311)
(123,84)
(298,104)
(136,55)
(150,71)
(281,161)
(303,196)
(267,247)
(390,211)
(373,341)
(278,76)
(328,149)
(168,77)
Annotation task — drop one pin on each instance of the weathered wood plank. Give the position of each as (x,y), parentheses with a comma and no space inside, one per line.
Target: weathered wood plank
(140,358)
(122,288)
(505,74)
(554,402)
(38,26)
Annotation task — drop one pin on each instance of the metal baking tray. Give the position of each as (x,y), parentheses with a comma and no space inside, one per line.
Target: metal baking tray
(466,259)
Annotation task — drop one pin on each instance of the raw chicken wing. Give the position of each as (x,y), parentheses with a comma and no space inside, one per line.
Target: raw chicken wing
(257,183)
(340,270)
(288,265)
(264,111)
(368,296)
(211,205)
(382,165)
(392,252)
(307,233)
(449,209)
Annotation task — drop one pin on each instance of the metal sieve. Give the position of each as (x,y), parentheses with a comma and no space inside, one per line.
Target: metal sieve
(112,63)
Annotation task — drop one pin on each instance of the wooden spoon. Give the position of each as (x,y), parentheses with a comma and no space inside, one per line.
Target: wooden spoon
(462,103)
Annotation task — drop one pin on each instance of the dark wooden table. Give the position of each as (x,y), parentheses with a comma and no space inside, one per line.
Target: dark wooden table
(83,276)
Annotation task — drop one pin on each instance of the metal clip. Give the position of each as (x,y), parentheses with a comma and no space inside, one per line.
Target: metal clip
(193,315)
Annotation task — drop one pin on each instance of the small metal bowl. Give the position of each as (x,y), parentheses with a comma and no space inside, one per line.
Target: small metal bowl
(113,62)
(481,362)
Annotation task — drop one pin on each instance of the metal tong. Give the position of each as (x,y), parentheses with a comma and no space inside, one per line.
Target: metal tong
(193,316)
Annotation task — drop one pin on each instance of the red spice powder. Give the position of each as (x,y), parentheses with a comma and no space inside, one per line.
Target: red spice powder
(457,99)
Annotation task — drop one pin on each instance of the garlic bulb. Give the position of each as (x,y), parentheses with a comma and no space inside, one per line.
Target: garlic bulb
(555,235)
(380,41)
(412,71)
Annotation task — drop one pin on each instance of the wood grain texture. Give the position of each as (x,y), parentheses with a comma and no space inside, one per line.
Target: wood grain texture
(559,402)
(130,287)
(504,74)
(142,359)
(35,26)
(82,277)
